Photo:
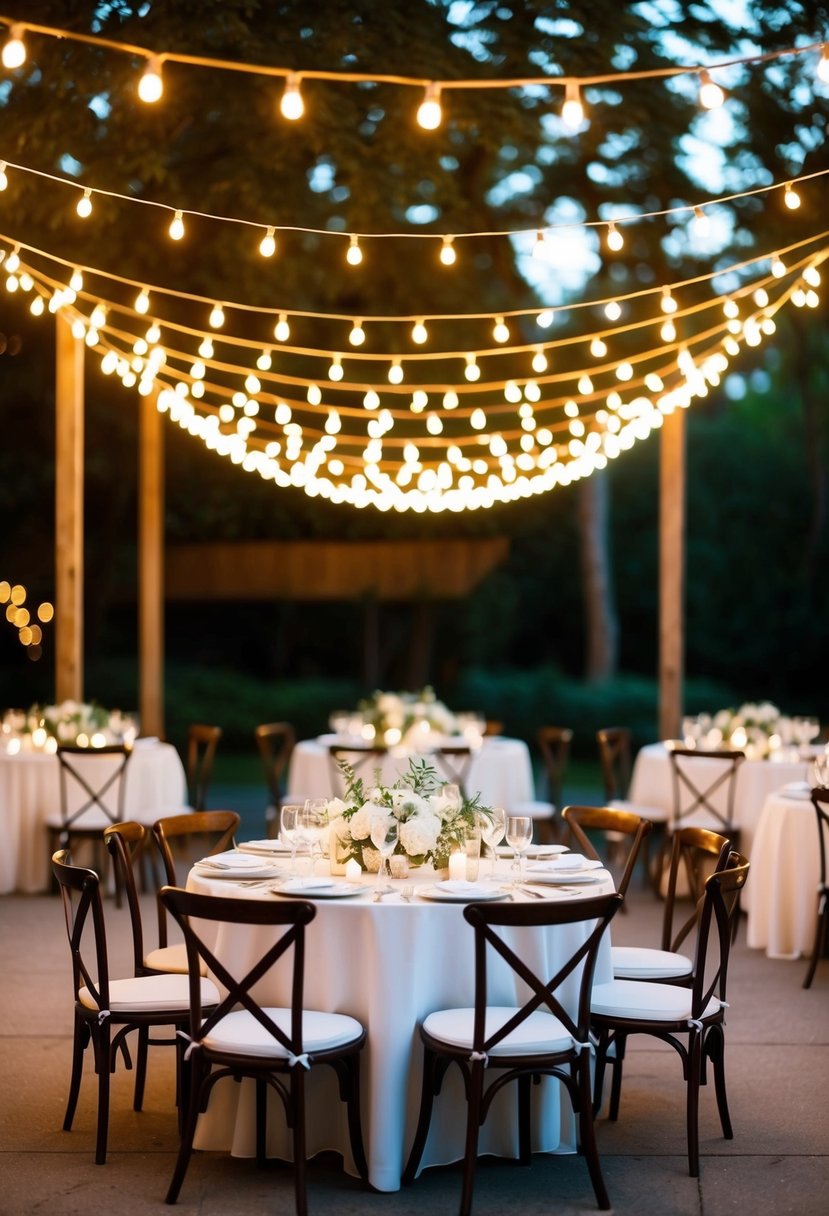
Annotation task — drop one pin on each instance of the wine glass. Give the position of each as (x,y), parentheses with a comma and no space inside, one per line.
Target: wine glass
(314,820)
(384,831)
(519,836)
(493,827)
(288,828)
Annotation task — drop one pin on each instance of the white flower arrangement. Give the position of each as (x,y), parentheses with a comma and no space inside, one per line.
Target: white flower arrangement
(758,728)
(407,717)
(432,819)
(77,723)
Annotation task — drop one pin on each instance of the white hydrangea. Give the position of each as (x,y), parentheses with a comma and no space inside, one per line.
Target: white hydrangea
(419,834)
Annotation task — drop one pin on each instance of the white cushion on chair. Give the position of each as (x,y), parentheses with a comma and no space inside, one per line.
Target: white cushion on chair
(241,1034)
(645,1002)
(642,963)
(171,958)
(656,814)
(150,994)
(538,1033)
(93,820)
(534,809)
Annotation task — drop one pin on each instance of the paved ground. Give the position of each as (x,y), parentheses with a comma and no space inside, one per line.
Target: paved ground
(778,1072)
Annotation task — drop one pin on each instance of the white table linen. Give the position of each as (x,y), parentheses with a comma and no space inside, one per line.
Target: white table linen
(30,791)
(781,894)
(651,785)
(390,964)
(501,770)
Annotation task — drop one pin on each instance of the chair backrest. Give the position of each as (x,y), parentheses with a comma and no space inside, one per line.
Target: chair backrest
(487,918)
(362,758)
(705,780)
(182,839)
(696,853)
(91,779)
(614,756)
(820,801)
(582,819)
(208,910)
(125,843)
(720,906)
(453,762)
(201,752)
(275,741)
(81,896)
(554,745)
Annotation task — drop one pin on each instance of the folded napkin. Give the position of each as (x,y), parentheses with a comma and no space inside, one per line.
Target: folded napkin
(307,884)
(563,864)
(459,886)
(231,861)
(266,847)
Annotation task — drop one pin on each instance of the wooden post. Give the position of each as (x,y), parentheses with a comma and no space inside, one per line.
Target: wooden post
(671,573)
(151,567)
(69,479)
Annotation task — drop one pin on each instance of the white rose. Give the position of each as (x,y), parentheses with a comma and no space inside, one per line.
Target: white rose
(335,809)
(419,835)
(360,822)
(410,804)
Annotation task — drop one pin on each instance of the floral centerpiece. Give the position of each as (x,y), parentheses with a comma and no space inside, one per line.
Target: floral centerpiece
(758,728)
(77,723)
(399,717)
(433,820)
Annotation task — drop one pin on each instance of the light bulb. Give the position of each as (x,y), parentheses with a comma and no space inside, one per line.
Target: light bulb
(98,317)
(13,261)
(545,319)
(217,317)
(206,347)
(823,65)
(539,363)
(615,240)
(429,113)
(613,310)
(572,112)
(778,267)
(702,223)
(282,330)
(500,332)
(354,254)
(313,395)
(791,198)
(84,207)
(151,86)
(335,371)
(477,419)
(4,181)
(419,333)
(448,256)
(668,303)
(264,361)
(177,227)
(668,331)
(811,275)
(396,372)
(76,282)
(142,301)
(472,371)
(37,306)
(711,95)
(267,246)
(14,50)
(153,334)
(598,348)
(292,105)
(358,335)
(371,400)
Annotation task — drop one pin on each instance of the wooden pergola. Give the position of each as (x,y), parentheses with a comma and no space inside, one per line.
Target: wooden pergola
(69,547)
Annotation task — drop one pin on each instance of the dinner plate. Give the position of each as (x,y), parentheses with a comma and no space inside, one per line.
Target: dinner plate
(306,890)
(260,871)
(439,893)
(535,851)
(575,863)
(264,848)
(797,789)
(576,878)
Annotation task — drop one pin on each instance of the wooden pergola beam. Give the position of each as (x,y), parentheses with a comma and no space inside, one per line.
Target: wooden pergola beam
(69,484)
(671,573)
(151,567)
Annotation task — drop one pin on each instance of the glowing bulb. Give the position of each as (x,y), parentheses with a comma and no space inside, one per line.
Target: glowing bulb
(472,371)
(539,363)
(371,400)
(153,334)
(778,267)
(4,181)
(702,224)
(142,301)
(612,310)
(151,86)
(264,361)
(14,50)
(37,306)
(358,335)
(540,245)
(396,372)
(419,333)
(335,371)
(500,332)
(477,419)
(282,330)
(811,275)
(668,331)
(429,113)
(206,347)
(177,227)
(217,317)
(761,296)
(791,198)
(598,348)
(267,246)
(313,396)
(572,112)
(711,95)
(450,400)
(84,207)
(76,282)
(448,256)
(545,319)
(292,105)
(823,65)
(615,240)
(354,254)
(434,425)
(98,318)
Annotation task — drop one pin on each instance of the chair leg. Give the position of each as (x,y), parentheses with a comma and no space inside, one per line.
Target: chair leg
(820,938)
(355,1127)
(433,1070)
(79,1045)
(188,1130)
(617,1062)
(693,1081)
(715,1048)
(524,1120)
(141,1066)
(261,1121)
(103,1064)
(587,1133)
(473,1123)
(298,1114)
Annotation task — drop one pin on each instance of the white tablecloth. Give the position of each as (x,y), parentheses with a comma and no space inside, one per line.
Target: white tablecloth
(501,771)
(390,964)
(30,791)
(651,786)
(781,895)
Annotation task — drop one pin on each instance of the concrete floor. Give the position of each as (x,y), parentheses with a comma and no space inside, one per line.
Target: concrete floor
(778,1079)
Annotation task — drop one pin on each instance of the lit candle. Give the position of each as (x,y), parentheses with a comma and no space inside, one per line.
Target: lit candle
(457,866)
(352,870)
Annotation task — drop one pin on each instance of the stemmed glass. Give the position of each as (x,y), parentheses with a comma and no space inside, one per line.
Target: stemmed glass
(384,832)
(314,821)
(289,826)
(519,836)
(493,827)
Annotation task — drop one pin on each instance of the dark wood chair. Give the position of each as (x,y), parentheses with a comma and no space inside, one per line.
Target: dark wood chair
(242,1038)
(554,745)
(184,839)
(108,1010)
(689,1018)
(202,742)
(820,801)
(625,831)
(363,758)
(704,783)
(521,1044)
(452,763)
(275,741)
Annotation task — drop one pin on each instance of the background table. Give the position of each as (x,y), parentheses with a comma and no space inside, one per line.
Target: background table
(651,785)
(501,770)
(30,791)
(390,964)
(781,894)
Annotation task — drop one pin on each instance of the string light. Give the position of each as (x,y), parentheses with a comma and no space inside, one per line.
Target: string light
(472,371)
(615,240)
(354,254)
(790,197)
(598,348)
(500,330)
(572,111)
(177,227)
(358,335)
(668,304)
(84,207)
(142,301)
(539,362)
(151,86)
(4,181)
(420,334)
(702,224)
(448,255)
(267,246)
(778,267)
(264,361)
(14,49)
(396,372)
(217,317)
(429,113)
(76,281)
(335,371)
(282,330)
(613,310)
(668,331)
(711,96)
(291,105)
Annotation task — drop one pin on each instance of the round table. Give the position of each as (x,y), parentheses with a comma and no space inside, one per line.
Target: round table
(389,964)
(781,893)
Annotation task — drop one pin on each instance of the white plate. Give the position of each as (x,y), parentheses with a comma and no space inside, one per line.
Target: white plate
(797,789)
(535,851)
(338,890)
(264,848)
(574,864)
(260,871)
(438,893)
(561,878)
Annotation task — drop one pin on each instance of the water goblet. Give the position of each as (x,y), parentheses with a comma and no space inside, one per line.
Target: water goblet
(493,826)
(314,823)
(519,837)
(384,833)
(288,828)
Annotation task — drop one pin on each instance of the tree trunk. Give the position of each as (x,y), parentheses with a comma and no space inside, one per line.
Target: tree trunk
(602,623)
